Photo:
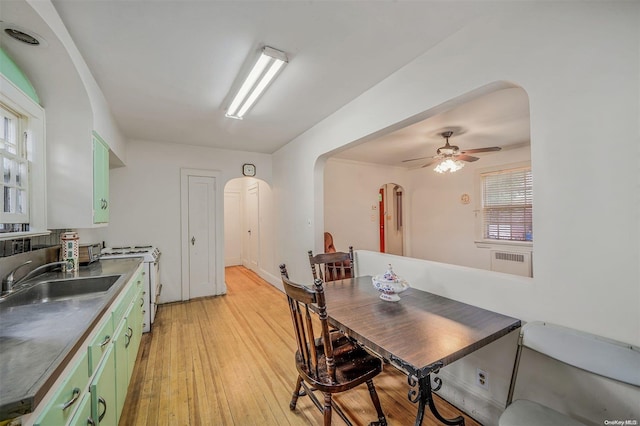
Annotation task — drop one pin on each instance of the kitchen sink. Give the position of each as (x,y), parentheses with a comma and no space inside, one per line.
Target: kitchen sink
(54,290)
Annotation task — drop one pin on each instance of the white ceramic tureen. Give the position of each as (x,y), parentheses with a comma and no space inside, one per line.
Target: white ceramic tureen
(389,285)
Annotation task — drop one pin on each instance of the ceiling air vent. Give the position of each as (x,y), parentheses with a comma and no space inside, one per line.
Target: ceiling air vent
(22,36)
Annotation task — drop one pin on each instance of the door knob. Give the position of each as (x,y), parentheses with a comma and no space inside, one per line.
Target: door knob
(193,241)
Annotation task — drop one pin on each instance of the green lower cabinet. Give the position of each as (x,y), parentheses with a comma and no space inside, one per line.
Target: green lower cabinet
(82,416)
(103,391)
(95,390)
(64,403)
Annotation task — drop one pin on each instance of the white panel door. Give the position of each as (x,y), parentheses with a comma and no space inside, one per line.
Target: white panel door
(202,236)
(232,229)
(253,211)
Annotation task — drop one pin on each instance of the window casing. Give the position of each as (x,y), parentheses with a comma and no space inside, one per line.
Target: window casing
(23,201)
(14,161)
(507,205)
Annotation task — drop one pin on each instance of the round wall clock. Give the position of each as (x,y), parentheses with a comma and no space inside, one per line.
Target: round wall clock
(249,169)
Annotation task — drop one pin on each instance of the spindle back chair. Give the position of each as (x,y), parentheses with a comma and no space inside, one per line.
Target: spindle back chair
(326,361)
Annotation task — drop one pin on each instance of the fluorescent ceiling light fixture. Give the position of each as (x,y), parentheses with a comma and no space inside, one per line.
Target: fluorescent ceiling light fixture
(263,72)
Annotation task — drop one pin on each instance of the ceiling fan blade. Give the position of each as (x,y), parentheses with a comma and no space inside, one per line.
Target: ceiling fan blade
(468,158)
(419,158)
(488,149)
(429,163)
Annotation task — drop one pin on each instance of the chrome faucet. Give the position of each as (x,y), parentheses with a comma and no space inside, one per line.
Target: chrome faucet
(9,282)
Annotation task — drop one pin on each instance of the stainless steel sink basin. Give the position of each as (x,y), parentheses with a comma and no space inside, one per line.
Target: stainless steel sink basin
(53,290)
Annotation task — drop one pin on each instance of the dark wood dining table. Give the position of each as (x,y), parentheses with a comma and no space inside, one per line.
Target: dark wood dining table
(420,334)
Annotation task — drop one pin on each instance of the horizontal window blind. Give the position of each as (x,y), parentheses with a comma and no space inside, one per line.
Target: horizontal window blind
(507,205)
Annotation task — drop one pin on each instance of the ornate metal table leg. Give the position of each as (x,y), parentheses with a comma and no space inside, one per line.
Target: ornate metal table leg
(423,396)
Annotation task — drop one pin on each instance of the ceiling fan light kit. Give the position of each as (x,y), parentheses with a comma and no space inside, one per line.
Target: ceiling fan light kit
(451,158)
(449,165)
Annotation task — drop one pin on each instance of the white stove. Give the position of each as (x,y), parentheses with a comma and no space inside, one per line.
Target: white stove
(151,276)
(149,253)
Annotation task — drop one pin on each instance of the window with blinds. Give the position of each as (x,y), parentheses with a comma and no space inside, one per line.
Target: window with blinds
(14,184)
(507,205)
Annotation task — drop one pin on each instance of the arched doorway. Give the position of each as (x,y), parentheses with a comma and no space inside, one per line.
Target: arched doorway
(390,208)
(247,203)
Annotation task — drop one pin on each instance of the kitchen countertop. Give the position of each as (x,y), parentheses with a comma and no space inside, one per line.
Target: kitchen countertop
(38,340)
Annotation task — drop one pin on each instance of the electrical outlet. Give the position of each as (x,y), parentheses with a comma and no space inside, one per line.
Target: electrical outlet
(482,378)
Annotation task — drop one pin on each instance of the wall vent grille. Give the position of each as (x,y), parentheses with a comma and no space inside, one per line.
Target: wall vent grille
(511,257)
(511,263)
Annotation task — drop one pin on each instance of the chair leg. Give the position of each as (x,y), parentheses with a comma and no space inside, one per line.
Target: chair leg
(327,409)
(382,421)
(296,394)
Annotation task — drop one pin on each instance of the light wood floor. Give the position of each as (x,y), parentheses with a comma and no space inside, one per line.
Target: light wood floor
(228,360)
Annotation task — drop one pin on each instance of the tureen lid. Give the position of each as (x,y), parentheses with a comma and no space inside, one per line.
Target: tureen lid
(389,275)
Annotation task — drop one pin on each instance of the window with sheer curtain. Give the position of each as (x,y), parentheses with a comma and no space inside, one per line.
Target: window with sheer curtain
(14,160)
(507,205)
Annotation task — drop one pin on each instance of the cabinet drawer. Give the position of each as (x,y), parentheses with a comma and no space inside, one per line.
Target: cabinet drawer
(118,312)
(130,294)
(99,345)
(66,400)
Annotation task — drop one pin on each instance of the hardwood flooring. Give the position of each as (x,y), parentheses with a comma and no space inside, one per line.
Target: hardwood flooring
(228,360)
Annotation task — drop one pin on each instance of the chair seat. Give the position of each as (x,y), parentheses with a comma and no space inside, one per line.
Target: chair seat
(528,413)
(354,365)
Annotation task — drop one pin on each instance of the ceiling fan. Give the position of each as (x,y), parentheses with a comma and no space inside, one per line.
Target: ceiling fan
(453,154)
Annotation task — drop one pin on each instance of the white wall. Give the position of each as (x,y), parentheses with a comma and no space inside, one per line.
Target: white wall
(580,71)
(145,199)
(438,227)
(350,193)
(442,228)
(102,120)
(579,64)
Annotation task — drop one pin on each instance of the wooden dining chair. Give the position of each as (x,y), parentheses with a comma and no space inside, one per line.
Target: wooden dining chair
(326,362)
(332,266)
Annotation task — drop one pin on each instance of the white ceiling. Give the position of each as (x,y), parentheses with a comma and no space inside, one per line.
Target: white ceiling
(499,118)
(166,68)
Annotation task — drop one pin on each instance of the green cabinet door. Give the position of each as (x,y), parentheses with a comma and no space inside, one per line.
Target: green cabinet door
(134,322)
(103,392)
(100,180)
(82,417)
(120,343)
